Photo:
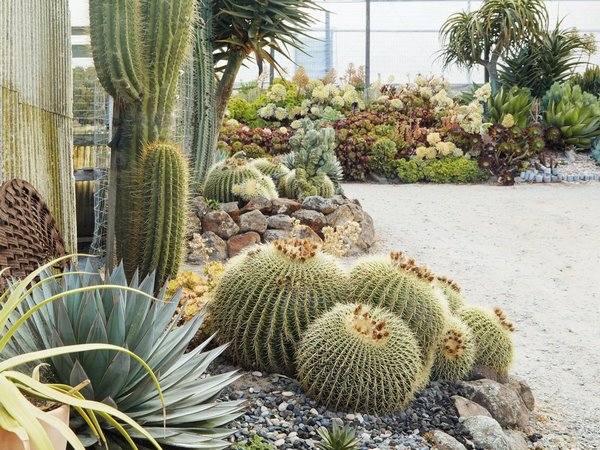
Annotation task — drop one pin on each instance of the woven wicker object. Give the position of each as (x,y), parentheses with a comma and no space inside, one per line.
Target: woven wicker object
(28,232)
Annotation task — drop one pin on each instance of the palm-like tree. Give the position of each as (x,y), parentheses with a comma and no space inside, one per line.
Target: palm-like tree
(484,36)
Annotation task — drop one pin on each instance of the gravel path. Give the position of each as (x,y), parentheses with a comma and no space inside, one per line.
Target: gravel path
(533,250)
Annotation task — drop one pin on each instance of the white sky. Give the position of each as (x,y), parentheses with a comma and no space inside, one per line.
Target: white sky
(79,12)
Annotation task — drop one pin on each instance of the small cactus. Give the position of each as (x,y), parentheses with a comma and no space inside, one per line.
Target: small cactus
(455,354)
(270,167)
(406,289)
(296,184)
(359,358)
(493,339)
(268,296)
(235,179)
(159,222)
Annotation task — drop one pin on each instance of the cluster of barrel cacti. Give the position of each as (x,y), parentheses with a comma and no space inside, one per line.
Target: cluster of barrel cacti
(311,169)
(364,340)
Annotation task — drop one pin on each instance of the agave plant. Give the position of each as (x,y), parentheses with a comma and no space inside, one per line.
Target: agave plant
(589,80)
(17,414)
(128,318)
(338,438)
(515,101)
(572,116)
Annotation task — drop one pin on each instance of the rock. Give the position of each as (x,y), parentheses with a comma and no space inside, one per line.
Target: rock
(516,440)
(321,204)
(199,206)
(253,221)
(259,203)
(284,206)
(217,246)
(279,442)
(220,223)
(282,406)
(280,222)
(443,441)
(501,400)
(273,235)
(314,219)
(467,408)
(239,242)
(306,232)
(479,372)
(486,433)
(193,225)
(232,209)
(353,212)
(524,391)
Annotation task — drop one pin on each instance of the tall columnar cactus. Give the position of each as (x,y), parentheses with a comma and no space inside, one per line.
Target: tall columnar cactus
(236,179)
(203,145)
(316,169)
(406,289)
(268,296)
(455,354)
(493,339)
(138,48)
(163,191)
(360,359)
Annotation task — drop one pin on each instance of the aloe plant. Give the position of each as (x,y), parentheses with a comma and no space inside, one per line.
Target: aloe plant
(338,438)
(88,312)
(17,414)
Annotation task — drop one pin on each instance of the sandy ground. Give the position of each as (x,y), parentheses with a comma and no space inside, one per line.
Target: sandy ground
(534,250)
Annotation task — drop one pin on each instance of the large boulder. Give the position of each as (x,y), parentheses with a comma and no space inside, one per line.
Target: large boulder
(314,219)
(321,204)
(284,206)
(467,408)
(239,242)
(259,203)
(443,441)
(273,235)
(232,209)
(199,206)
(353,212)
(501,400)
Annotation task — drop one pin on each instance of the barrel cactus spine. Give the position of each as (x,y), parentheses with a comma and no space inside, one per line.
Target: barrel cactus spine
(140,70)
(268,296)
(271,167)
(359,358)
(492,333)
(455,355)
(405,288)
(452,293)
(162,180)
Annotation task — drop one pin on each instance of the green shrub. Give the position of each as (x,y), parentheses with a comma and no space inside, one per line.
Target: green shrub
(359,358)
(268,296)
(383,154)
(410,170)
(453,170)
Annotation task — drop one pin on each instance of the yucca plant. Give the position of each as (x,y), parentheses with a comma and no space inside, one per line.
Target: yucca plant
(128,316)
(540,61)
(515,102)
(338,438)
(572,116)
(484,36)
(17,414)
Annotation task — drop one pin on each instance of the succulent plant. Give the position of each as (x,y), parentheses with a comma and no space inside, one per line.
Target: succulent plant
(455,355)
(574,116)
(163,194)
(360,358)
(235,174)
(405,289)
(315,168)
(451,291)
(515,102)
(589,80)
(270,167)
(492,334)
(267,297)
(109,311)
(296,184)
(338,438)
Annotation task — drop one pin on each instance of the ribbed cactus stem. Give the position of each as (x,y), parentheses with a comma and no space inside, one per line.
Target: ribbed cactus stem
(163,190)
(138,47)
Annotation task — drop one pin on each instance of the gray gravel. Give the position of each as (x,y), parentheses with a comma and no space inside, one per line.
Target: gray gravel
(533,250)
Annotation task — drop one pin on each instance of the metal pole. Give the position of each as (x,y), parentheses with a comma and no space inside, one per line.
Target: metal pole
(328,43)
(367,47)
